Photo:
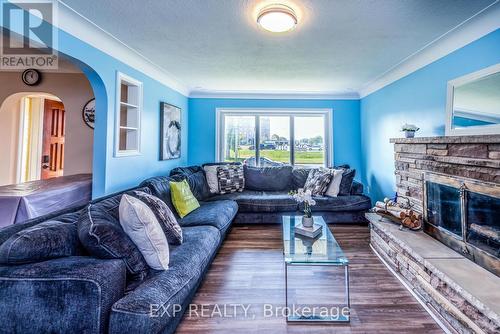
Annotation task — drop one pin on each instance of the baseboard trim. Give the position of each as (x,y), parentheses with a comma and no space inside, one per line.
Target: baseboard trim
(437,318)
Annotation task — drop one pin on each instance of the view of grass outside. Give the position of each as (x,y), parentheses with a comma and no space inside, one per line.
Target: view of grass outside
(274,141)
(304,158)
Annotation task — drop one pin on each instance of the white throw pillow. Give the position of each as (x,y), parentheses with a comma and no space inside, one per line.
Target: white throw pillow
(334,186)
(212,179)
(140,224)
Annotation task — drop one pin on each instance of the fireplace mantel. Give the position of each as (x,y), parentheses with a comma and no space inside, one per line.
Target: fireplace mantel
(486,139)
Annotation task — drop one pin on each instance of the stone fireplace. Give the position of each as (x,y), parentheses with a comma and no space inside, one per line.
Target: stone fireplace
(455,183)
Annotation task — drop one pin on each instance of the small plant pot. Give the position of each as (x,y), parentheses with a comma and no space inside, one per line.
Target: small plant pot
(307,221)
(410,134)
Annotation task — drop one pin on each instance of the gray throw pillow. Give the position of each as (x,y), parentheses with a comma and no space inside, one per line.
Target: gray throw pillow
(231,178)
(318,181)
(165,216)
(142,227)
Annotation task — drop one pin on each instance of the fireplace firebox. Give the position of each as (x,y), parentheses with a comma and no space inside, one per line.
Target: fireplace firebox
(464,215)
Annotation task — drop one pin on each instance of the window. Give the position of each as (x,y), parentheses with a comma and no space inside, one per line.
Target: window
(128,116)
(274,137)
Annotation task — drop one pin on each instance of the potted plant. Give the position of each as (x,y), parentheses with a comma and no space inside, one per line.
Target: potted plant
(305,197)
(409,130)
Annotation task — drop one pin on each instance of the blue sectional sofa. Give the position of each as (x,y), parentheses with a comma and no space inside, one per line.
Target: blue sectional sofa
(58,287)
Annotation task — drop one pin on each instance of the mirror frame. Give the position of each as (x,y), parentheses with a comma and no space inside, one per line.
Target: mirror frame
(471,130)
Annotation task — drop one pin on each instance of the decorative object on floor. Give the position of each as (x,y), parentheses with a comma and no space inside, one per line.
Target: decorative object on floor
(88,113)
(182,198)
(170,127)
(409,130)
(309,232)
(140,224)
(400,213)
(305,197)
(231,178)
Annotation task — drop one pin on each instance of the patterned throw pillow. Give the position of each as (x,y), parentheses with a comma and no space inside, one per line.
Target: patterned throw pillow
(167,220)
(318,181)
(231,178)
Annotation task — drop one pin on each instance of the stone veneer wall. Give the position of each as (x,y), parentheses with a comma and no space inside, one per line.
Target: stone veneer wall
(473,157)
(461,312)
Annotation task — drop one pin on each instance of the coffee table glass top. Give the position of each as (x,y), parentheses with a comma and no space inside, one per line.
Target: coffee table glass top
(323,249)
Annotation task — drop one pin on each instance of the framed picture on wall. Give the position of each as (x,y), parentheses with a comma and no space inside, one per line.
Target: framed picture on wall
(170,131)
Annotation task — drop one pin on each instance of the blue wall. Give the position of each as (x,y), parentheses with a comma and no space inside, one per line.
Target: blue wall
(419,98)
(112,174)
(346,125)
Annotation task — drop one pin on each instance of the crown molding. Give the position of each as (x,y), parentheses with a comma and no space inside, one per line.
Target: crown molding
(273,95)
(477,26)
(82,28)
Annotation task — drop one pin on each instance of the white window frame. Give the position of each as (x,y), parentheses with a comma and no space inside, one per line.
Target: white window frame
(327,113)
(470,130)
(123,78)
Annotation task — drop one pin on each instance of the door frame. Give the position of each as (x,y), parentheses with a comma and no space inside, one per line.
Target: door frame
(36,156)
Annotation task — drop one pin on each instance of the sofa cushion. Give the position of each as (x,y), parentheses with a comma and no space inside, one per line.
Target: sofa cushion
(102,236)
(219,214)
(66,295)
(340,203)
(67,217)
(268,178)
(140,311)
(261,201)
(357,188)
(165,216)
(346,183)
(195,176)
(299,177)
(143,228)
(44,241)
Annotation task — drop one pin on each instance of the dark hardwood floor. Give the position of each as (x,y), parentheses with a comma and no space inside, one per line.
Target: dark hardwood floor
(249,270)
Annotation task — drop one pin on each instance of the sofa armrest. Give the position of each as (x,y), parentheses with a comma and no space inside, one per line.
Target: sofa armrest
(357,188)
(71,294)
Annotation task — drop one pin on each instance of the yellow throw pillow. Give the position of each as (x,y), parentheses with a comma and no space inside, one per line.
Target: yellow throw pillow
(182,198)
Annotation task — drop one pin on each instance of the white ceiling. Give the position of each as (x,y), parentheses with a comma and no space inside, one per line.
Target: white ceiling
(337,47)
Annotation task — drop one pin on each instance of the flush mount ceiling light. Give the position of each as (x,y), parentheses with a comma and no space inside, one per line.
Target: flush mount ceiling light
(277,18)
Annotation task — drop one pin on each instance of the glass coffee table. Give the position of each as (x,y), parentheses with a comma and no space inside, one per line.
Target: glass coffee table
(306,252)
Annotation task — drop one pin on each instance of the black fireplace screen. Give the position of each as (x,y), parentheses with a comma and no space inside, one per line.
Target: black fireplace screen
(443,207)
(483,222)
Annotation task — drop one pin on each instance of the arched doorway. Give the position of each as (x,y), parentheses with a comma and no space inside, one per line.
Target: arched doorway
(33,129)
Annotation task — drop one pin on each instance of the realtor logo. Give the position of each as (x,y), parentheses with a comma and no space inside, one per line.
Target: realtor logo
(29,39)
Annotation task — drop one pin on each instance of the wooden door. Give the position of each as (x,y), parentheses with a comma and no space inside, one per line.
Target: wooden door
(53,139)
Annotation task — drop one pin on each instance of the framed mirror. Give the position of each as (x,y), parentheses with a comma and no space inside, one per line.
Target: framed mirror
(473,104)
